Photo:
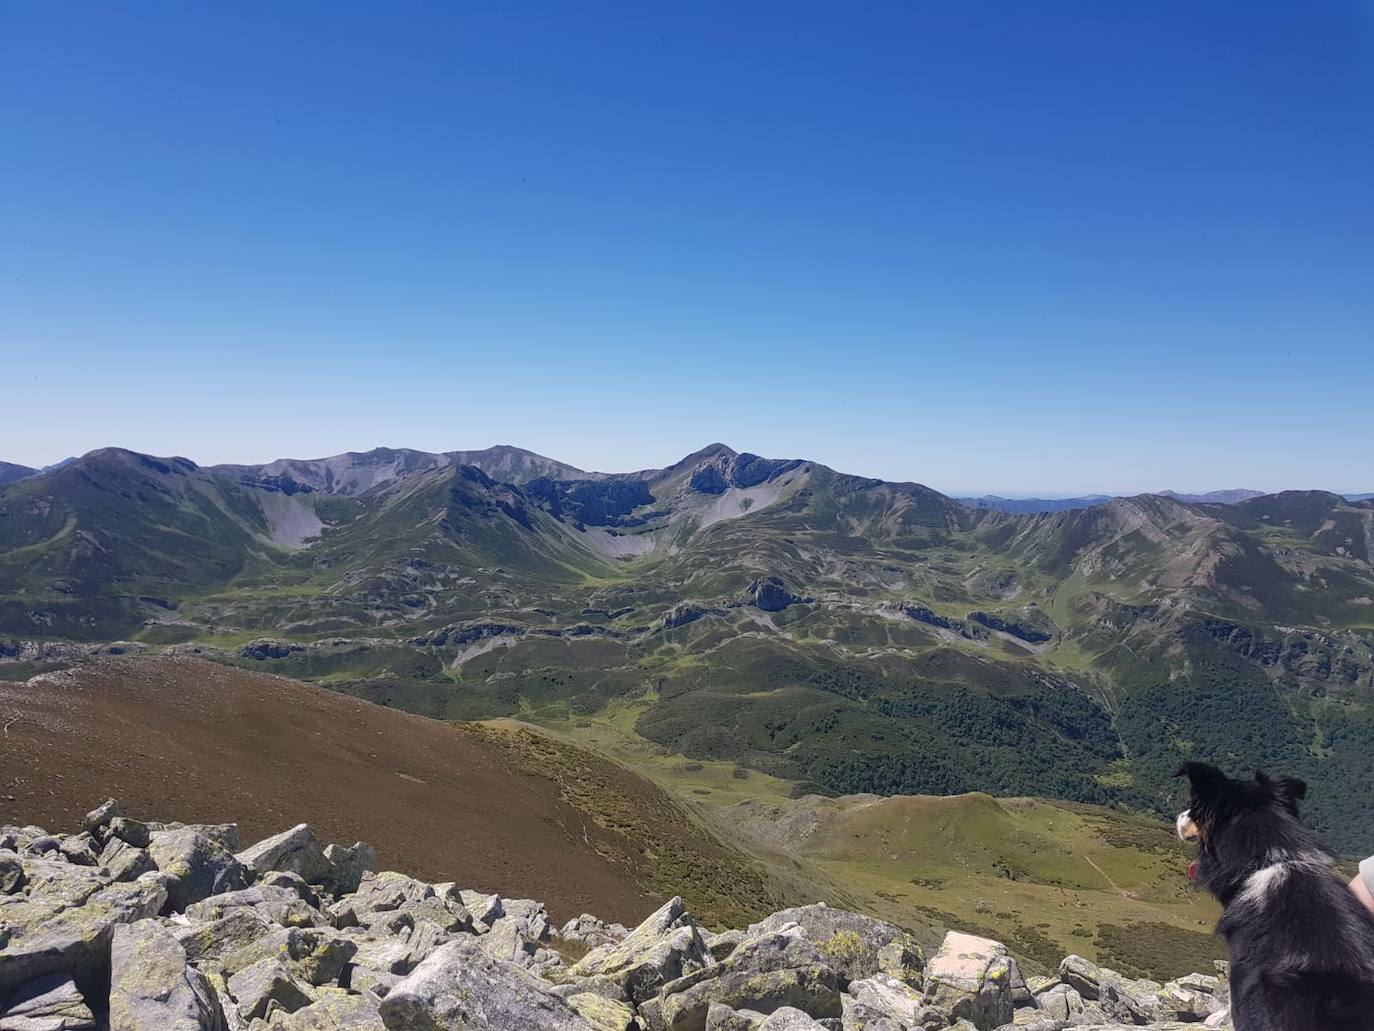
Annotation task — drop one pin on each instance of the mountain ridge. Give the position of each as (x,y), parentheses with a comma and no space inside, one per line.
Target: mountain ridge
(843,633)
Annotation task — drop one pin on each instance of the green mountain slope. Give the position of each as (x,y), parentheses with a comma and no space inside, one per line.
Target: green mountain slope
(835,631)
(9,472)
(85,550)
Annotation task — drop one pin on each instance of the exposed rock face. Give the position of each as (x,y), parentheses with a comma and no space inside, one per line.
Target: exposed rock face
(607,502)
(679,615)
(725,470)
(288,935)
(266,649)
(770,595)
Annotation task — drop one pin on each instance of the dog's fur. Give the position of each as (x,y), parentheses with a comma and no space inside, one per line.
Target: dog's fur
(1302,946)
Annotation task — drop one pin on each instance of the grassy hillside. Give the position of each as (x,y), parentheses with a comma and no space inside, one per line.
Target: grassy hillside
(1048,878)
(499,811)
(841,633)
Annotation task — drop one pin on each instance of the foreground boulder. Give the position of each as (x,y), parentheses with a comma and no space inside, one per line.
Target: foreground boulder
(152,988)
(51,1003)
(765,973)
(665,947)
(297,851)
(46,937)
(198,866)
(459,987)
(971,978)
(856,946)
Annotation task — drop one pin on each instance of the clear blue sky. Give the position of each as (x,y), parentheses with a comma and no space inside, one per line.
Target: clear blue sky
(1058,246)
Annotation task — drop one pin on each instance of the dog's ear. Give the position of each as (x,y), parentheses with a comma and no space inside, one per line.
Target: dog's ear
(1206,780)
(1287,790)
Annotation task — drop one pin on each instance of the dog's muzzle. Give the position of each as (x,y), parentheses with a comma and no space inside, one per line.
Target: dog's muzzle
(1187,829)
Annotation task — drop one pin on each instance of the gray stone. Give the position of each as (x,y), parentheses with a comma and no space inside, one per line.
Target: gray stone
(507,941)
(970,978)
(316,955)
(296,850)
(388,902)
(292,882)
(602,1013)
(1061,1002)
(60,881)
(665,947)
(853,944)
(124,862)
(1175,1002)
(725,1018)
(279,905)
(11,873)
(43,844)
(1131,1002)
(789,1019)
(384,955)
(81,849)
(883,997)
(267,982)
(99,817)
(1020,991)
(208,943)
(347,866)
(45,938)
(335,1011)
(130,832)
(528,918)
(459,987)
(485,909)
(375,982)
(1082,975)
(764,974)
(225,835)
(721,945)
(151,986)
(199,867)
(50,1003)
(592,930)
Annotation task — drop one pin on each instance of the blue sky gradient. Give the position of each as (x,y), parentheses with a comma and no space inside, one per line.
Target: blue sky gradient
(1049,247)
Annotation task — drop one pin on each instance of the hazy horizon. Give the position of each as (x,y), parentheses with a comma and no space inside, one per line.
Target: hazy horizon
(966,492)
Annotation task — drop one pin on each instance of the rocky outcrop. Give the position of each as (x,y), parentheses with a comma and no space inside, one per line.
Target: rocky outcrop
(681,614)
(1021,628)
(264,649)
(605,502)
(769,594)
(726,469)
(290,935)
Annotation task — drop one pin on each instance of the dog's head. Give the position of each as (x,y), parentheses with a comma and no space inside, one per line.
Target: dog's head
(1240,824)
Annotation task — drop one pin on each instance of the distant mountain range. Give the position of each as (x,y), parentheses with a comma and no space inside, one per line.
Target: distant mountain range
(1028,505)
(843,633)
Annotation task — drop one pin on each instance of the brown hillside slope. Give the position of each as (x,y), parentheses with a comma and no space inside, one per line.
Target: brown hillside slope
(198,742)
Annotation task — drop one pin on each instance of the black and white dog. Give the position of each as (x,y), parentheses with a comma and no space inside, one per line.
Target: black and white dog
(1301,944)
